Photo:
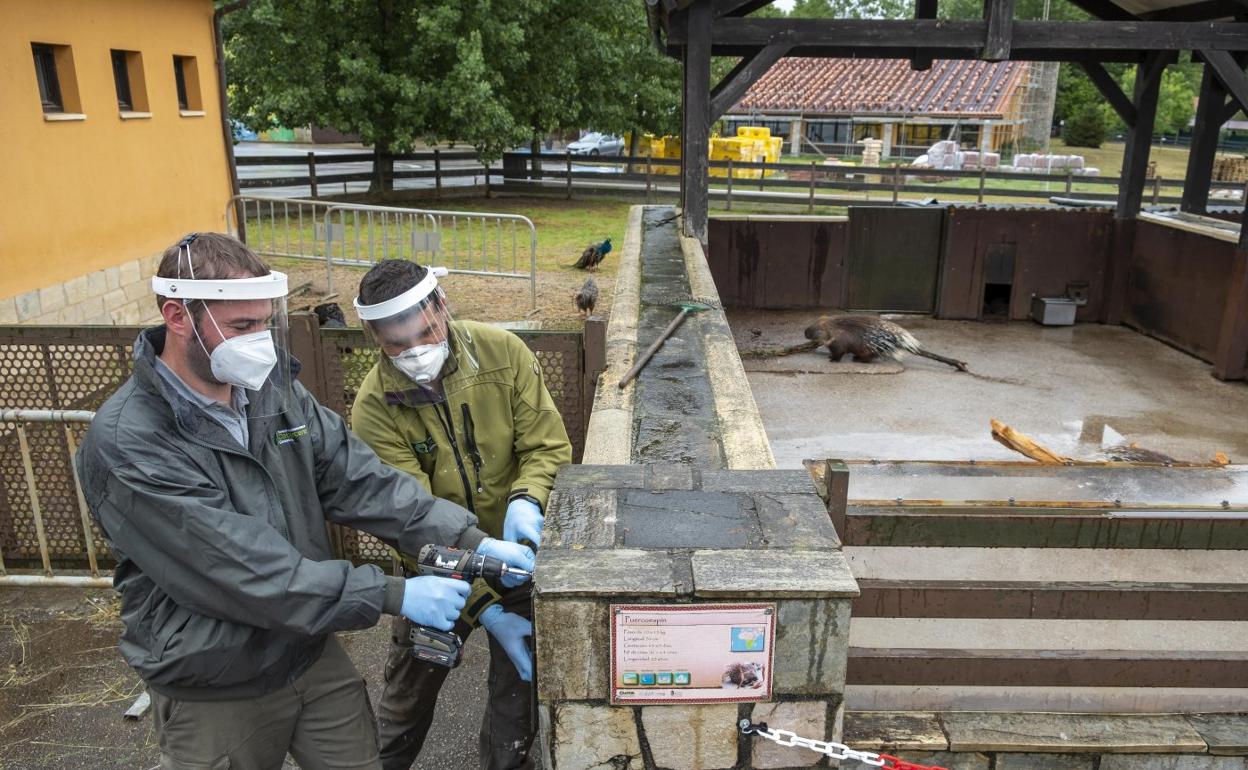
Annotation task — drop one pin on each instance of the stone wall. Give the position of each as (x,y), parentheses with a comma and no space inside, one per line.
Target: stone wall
(119,295)
(674,534)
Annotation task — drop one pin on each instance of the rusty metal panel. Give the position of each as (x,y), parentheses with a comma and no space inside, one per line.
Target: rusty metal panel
(1049,601)
(1026,527)
(778,263)
(1177,287)
(894,256)
(1046,668)
(1052,248)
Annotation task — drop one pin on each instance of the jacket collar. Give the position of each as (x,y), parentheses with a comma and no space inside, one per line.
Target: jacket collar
(151,342)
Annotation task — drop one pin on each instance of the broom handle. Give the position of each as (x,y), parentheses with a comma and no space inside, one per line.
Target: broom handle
(654,347)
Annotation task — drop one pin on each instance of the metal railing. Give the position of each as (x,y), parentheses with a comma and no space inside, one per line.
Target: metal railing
(467,242)
(20,419)
(278,227)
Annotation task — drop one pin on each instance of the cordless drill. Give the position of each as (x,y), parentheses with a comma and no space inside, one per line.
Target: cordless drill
(444,648)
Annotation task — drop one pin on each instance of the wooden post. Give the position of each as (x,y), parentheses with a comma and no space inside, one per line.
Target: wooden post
(437,173)
(836,494)
(730,184)
(305,345)
(649,154)
(594,361)
(896,184)
(1230,358)
(811,208)
(1140,136)
(568,157)
(1200,158)
(312,172)
(696,125)
(983,175)
(1070,179)
(923,9)
(1157,189)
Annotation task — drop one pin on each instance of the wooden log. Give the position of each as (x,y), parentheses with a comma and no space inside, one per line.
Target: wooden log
(1025,445)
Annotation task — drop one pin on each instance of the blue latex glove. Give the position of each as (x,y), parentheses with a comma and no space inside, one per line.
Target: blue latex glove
(513,554)
(511,630)
(523,522)
(434,601)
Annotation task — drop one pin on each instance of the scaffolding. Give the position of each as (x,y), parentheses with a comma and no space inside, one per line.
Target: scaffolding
(1039,94)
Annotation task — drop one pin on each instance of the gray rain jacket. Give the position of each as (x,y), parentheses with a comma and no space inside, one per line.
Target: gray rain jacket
(228,583)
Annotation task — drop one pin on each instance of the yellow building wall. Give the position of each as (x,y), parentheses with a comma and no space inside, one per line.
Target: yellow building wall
(79,196)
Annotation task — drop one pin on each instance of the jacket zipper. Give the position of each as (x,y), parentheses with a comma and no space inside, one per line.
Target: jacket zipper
(470,433)
(285,530)
(444,416)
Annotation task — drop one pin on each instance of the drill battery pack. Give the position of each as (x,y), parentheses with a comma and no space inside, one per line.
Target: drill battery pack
(442,648)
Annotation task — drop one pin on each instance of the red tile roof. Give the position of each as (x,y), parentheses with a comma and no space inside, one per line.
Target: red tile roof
(884,87)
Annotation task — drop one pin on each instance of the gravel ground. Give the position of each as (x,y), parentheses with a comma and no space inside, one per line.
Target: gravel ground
(471,297)
(64,688)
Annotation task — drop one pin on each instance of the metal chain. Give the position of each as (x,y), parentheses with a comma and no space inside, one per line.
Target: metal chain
(827,748)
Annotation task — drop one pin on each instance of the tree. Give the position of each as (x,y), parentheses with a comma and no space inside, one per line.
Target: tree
(852,9)
(1085,128)
(393,71)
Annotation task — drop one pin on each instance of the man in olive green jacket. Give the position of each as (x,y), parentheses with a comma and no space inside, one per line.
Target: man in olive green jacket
(461,406)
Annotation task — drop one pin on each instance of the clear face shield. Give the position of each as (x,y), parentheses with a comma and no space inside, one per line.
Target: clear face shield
(242,336)
(414,331)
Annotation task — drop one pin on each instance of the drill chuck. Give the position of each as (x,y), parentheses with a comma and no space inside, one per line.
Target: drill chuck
(442,561)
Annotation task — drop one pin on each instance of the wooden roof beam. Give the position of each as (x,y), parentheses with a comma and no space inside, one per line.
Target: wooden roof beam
(999,15)
(1230,74)
(1112,92)
(1103,9)
(938,35)
(1202,11)
(747,72)
(923,9)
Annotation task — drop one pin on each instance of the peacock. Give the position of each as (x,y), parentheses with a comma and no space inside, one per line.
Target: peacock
(593,254)
(587,297)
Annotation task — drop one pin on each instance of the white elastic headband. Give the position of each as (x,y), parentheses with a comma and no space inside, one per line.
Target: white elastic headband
(269,286)
(407,299)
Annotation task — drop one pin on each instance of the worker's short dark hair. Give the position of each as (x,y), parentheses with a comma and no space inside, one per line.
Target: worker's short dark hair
(388,279)
(213,256)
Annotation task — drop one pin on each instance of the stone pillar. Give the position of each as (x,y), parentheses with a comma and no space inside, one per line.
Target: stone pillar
(886,149)
(795,136)
(677,535)
(985,140)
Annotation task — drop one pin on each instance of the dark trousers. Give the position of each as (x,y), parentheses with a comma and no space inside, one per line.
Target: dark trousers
(411,692)
(323,719)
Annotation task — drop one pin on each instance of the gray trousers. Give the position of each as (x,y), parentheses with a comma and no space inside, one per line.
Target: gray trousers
(323,719)
(411,693)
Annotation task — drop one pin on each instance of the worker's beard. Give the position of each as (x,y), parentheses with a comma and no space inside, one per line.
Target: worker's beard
(197,358)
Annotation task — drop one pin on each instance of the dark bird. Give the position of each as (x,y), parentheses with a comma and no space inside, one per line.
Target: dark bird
(868,338)
(330,315)
(587,297)
(593,254)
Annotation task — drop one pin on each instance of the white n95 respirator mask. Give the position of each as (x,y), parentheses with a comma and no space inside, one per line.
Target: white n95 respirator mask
(422,363)
(245,360)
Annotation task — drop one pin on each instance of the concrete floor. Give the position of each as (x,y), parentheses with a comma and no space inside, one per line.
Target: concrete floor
(1063,386)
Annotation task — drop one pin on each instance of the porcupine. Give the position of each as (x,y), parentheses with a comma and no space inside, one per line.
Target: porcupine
(743,675)
(868,338)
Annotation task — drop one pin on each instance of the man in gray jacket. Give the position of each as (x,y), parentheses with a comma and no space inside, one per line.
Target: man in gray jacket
(212,473)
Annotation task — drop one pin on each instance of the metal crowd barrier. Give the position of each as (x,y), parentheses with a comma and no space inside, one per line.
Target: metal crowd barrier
(466,242)
(20,419)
